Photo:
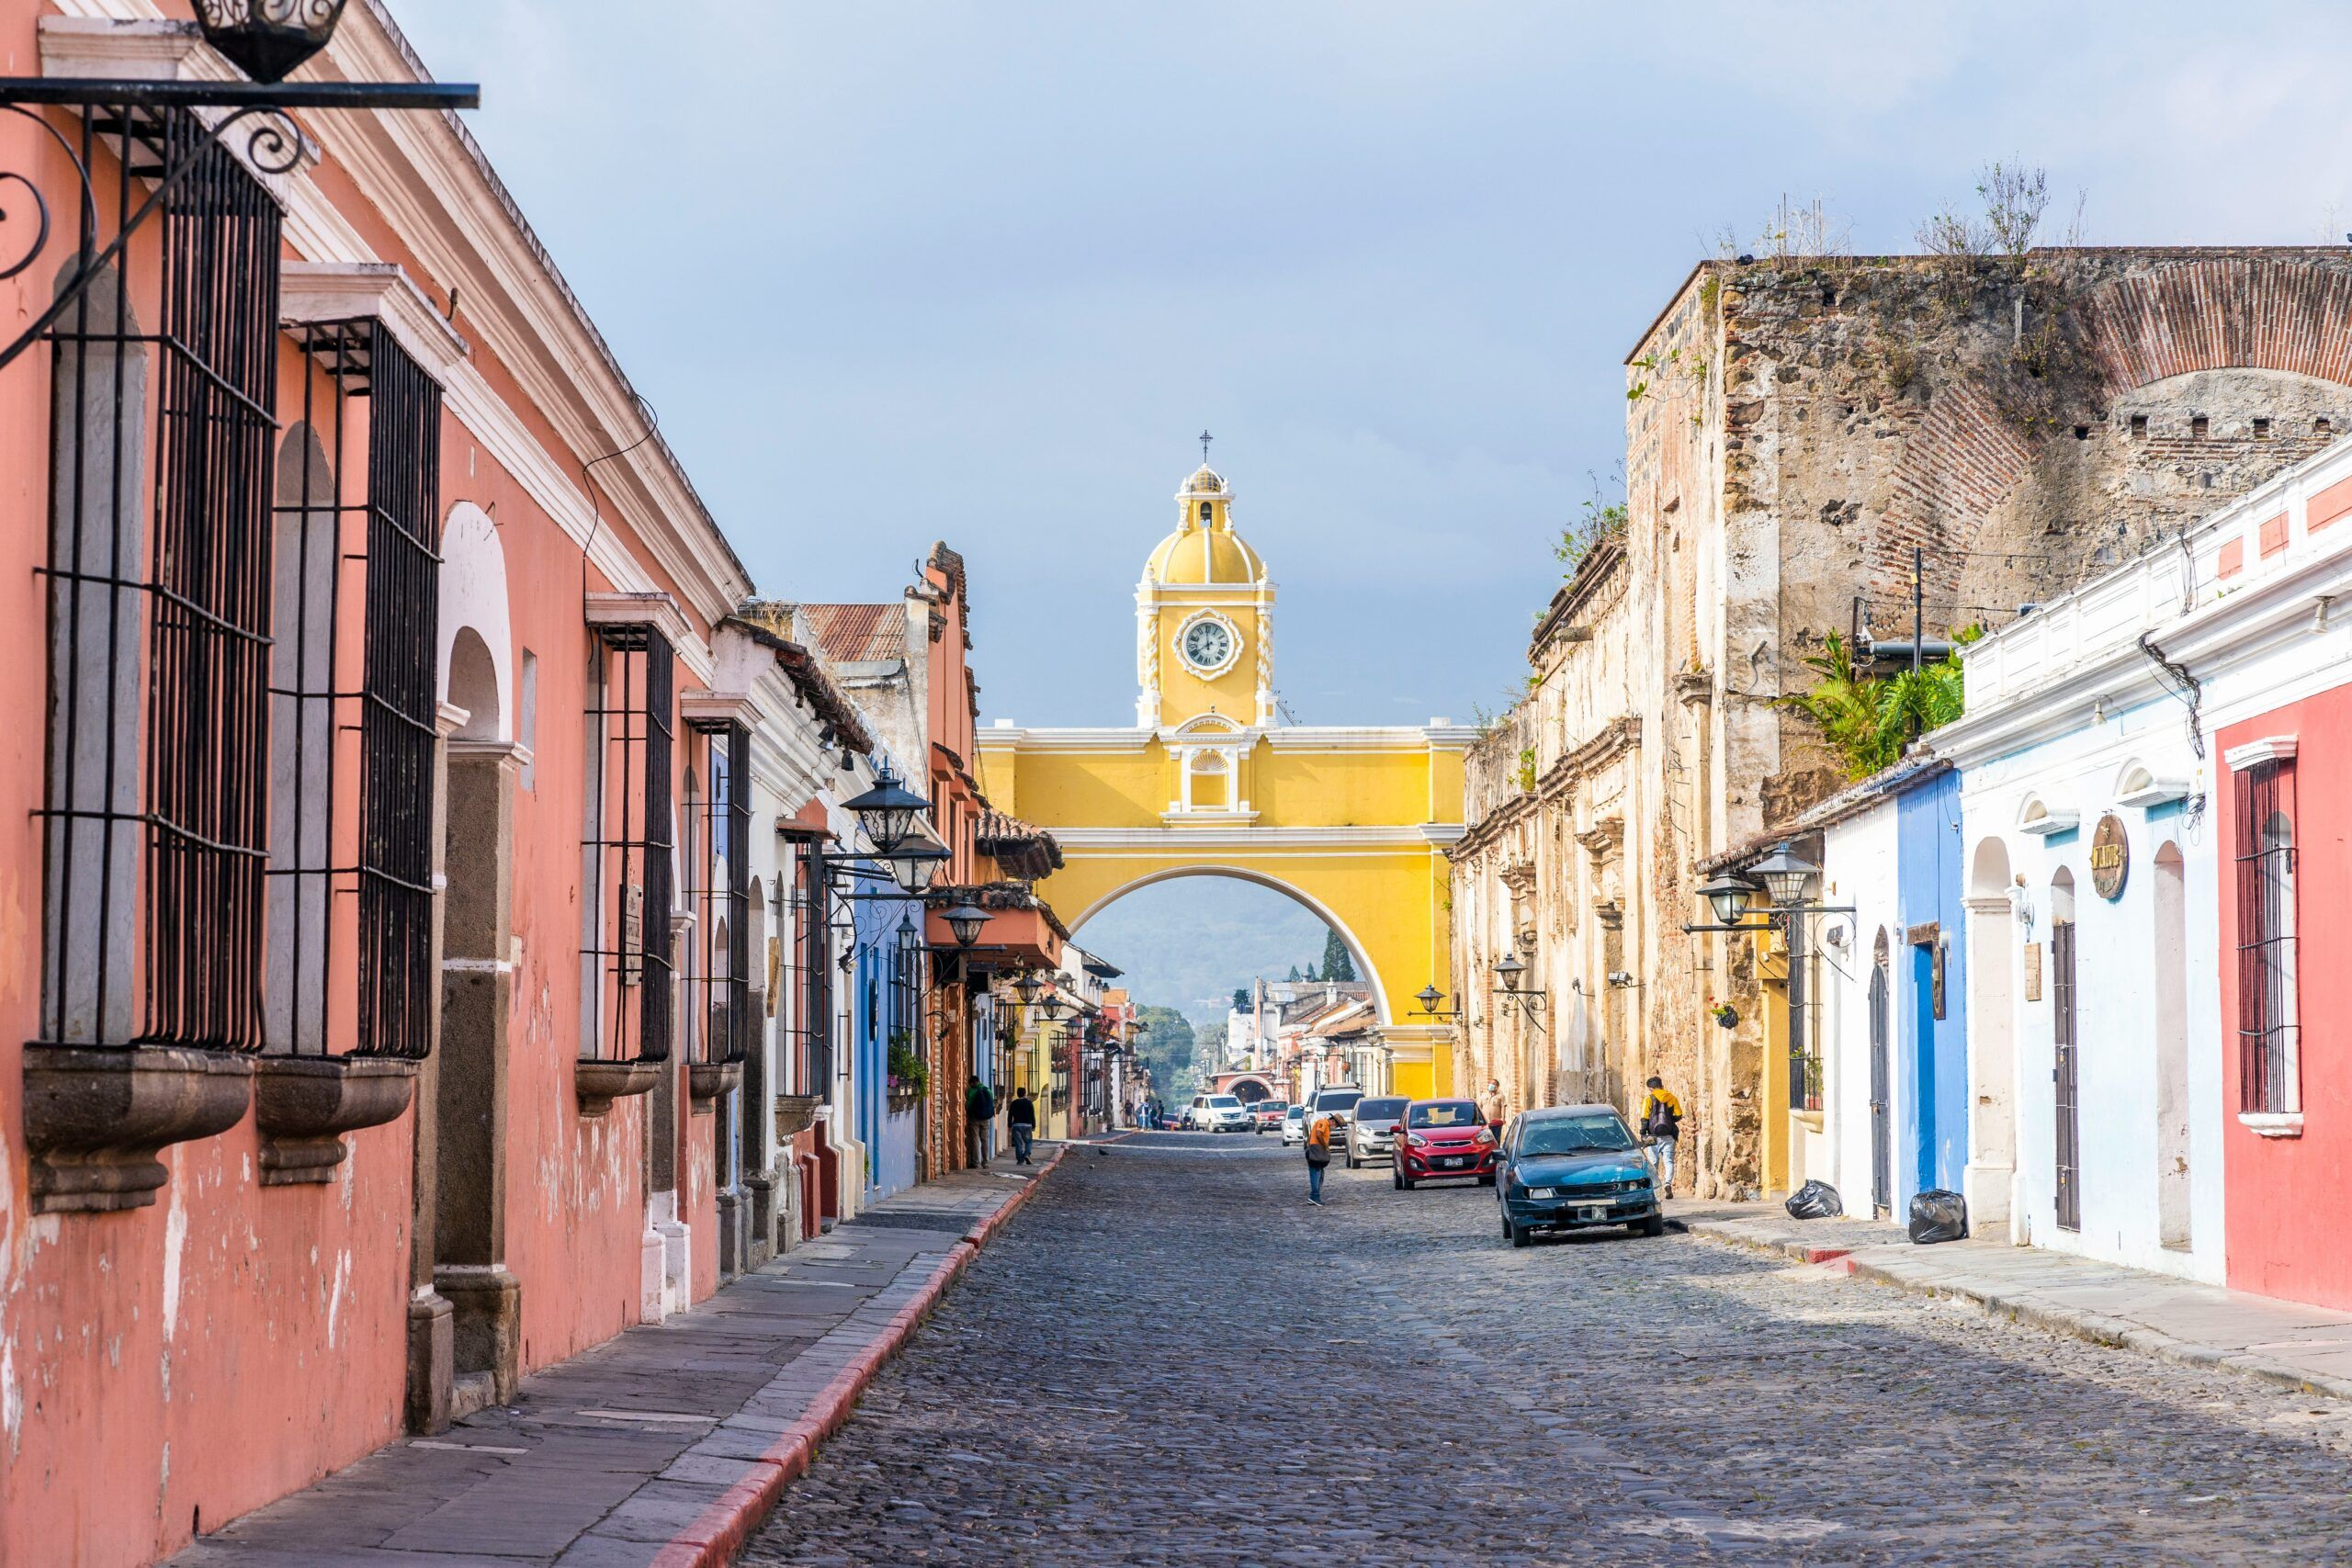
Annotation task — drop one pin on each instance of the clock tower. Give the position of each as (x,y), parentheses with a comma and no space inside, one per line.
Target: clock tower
(1204,621)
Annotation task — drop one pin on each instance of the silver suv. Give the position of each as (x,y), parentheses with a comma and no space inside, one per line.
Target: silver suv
(1369,1139)
(1339,1105)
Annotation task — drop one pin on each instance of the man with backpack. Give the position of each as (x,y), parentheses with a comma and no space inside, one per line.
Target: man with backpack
(1662,1129)
(979,1110)
(1319,1154)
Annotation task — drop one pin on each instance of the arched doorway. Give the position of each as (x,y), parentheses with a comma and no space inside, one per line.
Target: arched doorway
(1991,1175)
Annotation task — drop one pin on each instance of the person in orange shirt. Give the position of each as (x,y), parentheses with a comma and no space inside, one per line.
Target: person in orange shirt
(1319,1154)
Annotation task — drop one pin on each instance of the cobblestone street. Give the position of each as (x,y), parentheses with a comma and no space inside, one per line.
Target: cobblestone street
(1170,1359)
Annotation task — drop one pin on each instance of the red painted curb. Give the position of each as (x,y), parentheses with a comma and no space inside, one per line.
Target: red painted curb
(721,1530)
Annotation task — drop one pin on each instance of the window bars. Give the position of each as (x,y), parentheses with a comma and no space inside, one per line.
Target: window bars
(631,842)
(723,906)
(313,826)
(807,1011)
(2269,1025)
(156,833)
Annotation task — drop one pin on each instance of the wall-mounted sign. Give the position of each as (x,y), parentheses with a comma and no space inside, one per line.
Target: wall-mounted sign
(2111,857)
(2033,971)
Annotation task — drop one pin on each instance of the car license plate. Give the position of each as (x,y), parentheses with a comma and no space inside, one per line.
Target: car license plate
(1454,1162)
(1592,1210)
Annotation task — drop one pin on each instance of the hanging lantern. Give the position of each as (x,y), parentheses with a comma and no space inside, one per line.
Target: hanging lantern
(267,38)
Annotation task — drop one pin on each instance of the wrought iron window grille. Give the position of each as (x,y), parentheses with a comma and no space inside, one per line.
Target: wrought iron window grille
(722,907)
(628,955)
(179,130)
(355,867)
(806,1033)
(2269,1023)
(156,828)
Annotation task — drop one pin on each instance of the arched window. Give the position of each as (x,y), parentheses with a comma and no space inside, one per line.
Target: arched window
(1208,512)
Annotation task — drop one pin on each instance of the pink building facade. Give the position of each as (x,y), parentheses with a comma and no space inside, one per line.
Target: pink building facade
(400,945)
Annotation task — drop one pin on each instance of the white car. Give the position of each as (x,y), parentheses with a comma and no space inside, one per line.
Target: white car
(1216,1113)
(1369,1139)
(1295,1125)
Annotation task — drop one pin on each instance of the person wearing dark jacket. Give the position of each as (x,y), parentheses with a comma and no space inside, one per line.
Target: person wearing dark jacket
(1023,1120)
(979,1110)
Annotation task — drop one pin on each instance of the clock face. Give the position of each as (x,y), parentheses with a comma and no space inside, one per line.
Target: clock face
(1207,645)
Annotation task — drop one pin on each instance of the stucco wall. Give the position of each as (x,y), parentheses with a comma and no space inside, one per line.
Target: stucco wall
(2280,1190)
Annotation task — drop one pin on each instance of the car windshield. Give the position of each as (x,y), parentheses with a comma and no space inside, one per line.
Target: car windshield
(1445,1113)
(1337,1098)
(1381,1111)
(1272,1107)
(1575,1134)
(1296,1114)
(1223,1101)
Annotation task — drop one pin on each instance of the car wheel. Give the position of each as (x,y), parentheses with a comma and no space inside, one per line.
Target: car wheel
(1487,1179)
(1396,1180)
(1654,1226)
(1520,1235)
(1406,1182)
(1506,1226)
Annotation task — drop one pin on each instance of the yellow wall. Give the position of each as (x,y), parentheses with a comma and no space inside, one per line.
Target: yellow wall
(1387,897)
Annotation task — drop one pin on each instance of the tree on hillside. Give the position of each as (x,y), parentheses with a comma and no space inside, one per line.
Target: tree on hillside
(1337,965)
(1293,974)
(1242,998)
(1310,975)
(1167,1051)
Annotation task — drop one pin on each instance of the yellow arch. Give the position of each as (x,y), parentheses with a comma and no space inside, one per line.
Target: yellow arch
(1366,967)
(1353,824)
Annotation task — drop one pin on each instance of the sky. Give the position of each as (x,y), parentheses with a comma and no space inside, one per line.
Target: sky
(895,272)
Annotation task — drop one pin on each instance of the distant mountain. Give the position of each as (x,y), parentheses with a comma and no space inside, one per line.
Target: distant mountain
(1186,944)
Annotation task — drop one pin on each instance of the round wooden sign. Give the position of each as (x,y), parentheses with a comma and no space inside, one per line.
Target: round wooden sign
(2111,857)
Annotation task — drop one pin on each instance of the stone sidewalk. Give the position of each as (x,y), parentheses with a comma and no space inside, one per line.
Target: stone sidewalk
(2305,1348)
(667,1444)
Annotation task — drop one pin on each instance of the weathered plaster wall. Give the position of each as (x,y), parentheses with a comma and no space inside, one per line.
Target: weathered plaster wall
(1796,428)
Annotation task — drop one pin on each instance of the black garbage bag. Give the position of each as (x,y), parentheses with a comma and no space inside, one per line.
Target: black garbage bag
(1939,1215)
(1814,1201)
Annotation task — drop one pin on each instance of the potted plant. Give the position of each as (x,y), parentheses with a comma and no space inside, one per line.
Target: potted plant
(909,1075)
(1726,1015)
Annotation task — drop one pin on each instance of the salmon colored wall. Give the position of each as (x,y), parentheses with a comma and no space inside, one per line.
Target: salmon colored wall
(2274,1188)
(170,1368)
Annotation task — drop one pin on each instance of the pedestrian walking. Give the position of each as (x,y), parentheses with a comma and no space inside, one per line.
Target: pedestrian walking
(1490,1106)
(1022,1121)
(979,1110)
(1128,1111)
(1662,1127)
(1319,1154)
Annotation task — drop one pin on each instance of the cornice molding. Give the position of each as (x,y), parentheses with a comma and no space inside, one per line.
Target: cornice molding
(1100,841)
(312,292)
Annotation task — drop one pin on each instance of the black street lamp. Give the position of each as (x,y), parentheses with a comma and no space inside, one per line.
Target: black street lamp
(965,922)
(914,863)
(1511,971)
(1430,996)
(267,38)
(264,39)
(1728,895)
(1787,876)
(888,811)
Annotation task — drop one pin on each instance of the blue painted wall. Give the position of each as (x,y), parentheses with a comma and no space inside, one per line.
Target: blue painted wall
(1931,1121)
(875,1008)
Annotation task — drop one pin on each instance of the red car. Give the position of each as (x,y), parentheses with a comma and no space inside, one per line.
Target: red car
(1439,1139)
(1266,1116)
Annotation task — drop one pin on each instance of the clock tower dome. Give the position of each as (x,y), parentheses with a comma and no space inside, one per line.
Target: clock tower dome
(1205,619)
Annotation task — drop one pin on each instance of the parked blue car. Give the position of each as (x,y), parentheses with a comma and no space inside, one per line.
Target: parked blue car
(1572,1167)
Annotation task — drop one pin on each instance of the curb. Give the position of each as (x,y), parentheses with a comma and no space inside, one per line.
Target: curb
(721,1531)
(2115,1333)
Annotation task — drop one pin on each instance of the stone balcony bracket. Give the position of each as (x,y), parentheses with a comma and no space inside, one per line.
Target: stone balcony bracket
(303,1105)
(96,1118)
(599,1083)
(706,1081)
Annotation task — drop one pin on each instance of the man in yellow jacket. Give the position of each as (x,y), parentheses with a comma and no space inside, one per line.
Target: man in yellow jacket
(1661,1123)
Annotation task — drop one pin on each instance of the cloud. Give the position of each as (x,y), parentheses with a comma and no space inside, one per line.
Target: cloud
(900,271)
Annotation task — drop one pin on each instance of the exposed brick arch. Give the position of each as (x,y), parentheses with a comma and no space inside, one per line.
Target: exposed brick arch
(2153,319)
